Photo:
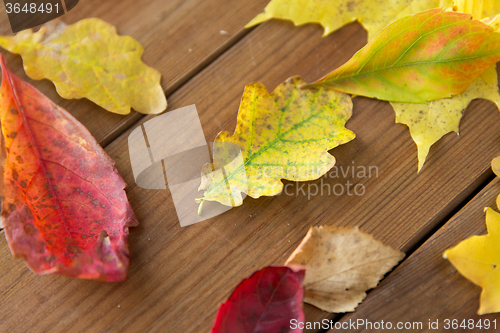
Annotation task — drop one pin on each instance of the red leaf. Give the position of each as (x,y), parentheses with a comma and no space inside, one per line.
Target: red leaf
(64,208)
(266,302)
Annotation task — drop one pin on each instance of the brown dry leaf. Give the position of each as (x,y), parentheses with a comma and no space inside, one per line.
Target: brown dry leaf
(341,265)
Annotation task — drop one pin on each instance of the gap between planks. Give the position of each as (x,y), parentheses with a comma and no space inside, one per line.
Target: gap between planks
(432,282)
(274,32)
(490,176)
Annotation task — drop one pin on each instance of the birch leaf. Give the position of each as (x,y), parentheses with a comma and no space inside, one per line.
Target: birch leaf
(88,59)
(374,15)
(478,259)
(417,59)
(429,122)
(282,135)
(341,265)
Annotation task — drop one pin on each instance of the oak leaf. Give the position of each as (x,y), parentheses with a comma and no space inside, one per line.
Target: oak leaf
(374,15)
(341,265)
(266,302)
(478,259)
(417,59)
(88,59)
(64,209)
(282,135)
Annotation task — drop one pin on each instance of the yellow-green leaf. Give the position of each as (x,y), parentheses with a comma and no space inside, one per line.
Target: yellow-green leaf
(478,259)
(88,59)
(374,15)
(282,135)
(430,122)
(420,58)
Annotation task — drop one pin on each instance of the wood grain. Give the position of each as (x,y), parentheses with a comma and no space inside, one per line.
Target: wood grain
(179,276)
(180,37)
(427,287)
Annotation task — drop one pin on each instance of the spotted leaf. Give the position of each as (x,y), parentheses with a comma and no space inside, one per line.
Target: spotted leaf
(88,59)
(64,209)
(421,58)
(282,135)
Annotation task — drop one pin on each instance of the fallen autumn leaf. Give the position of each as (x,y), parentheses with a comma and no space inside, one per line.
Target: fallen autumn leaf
(478,259)
(64,209)
(266,302)
(88,59)
(341,265)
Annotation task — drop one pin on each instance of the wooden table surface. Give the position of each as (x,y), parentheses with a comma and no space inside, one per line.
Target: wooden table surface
(179,276)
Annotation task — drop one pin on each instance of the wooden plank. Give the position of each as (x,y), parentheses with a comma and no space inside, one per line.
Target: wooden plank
(180,37)
(427,287)
(179,276)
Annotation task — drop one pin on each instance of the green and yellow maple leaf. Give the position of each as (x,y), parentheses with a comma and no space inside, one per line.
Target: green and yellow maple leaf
(88,59)
(429,122)
(431,55)
(282,135)
(374,15)
(478,259)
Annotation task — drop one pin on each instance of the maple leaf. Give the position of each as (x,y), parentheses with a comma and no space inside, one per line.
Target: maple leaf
(429,122)
(283,135)
(64,209)
(478,259)
(341,265)
(88,59)
(374,15)
(266,302)
(428,56)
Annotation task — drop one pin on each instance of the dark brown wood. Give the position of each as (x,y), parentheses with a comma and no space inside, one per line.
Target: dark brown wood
(179,276)
(427,287)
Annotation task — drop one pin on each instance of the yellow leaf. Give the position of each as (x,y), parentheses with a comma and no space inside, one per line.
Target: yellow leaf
(88,59)
(493,21)
(341,265)
(478,8)
(478,259)
(430,122)
(374,15)
(495,166)
(283,135)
